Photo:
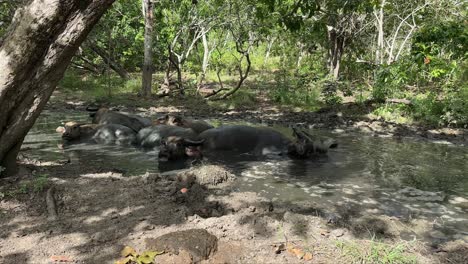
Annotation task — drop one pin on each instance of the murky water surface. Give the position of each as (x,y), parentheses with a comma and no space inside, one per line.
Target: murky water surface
(375,175)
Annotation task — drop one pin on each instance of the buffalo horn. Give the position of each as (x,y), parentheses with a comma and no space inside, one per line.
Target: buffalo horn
(188,142)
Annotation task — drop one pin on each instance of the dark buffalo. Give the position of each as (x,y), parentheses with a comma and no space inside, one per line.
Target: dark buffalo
(183,138)
(151,137)
(105,116)
(173,120)
(246,139)
(75,133)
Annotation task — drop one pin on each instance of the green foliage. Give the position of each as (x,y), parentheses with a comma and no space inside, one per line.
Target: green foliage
(397,113)
(447,38)
(296,89)
(7,10)
(98,87)
(427,108)
(390,80)
(455,110)
(120,33)
(428,69)
(330,92)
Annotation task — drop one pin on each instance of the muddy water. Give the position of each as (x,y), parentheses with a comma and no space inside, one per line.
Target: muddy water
(368,175)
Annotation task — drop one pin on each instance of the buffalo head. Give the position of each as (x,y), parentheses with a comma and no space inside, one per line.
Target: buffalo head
(174,148)
(71,131)
(170,120)
(305,146)
(74,130)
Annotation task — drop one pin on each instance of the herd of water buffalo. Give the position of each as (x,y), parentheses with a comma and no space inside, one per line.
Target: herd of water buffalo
(180,138)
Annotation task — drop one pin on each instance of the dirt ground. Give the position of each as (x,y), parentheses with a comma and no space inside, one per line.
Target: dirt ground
(100,210)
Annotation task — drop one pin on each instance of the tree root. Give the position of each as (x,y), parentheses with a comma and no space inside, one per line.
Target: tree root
(51,205)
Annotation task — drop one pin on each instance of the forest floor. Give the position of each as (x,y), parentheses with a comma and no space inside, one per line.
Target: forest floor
(100,210)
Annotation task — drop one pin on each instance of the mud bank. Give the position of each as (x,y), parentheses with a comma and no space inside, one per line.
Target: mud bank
(100,211)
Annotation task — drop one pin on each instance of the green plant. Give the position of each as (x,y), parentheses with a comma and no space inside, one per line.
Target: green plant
(131,256)
(397,113)
(36,185)
(300,90)
(40,183)
(330,92)
(376,252)
(427,108)
(390,80)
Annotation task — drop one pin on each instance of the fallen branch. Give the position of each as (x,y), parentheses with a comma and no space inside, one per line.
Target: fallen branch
(51,205)
(399,101)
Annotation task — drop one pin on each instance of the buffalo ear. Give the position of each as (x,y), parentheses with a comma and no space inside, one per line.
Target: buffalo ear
(60,129)
(194,143)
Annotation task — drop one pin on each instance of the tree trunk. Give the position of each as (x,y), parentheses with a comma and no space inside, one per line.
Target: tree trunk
(380,34)
(206,58)
(41,41)
(267,54)
(335,51)
(148,61)
(115,66)
(180,85)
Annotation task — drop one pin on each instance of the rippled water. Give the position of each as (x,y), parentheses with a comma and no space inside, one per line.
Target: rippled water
(370,173)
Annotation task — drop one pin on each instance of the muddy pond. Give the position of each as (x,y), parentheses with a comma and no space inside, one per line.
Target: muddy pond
(403,178)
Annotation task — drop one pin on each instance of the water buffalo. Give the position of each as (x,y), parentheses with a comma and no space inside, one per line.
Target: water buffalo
(75,133)
(173,120)
(105,116)
(246,139)
(151,137)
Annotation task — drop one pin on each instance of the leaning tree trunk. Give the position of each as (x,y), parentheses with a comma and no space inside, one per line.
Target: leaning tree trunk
(148,60)
(41,41)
